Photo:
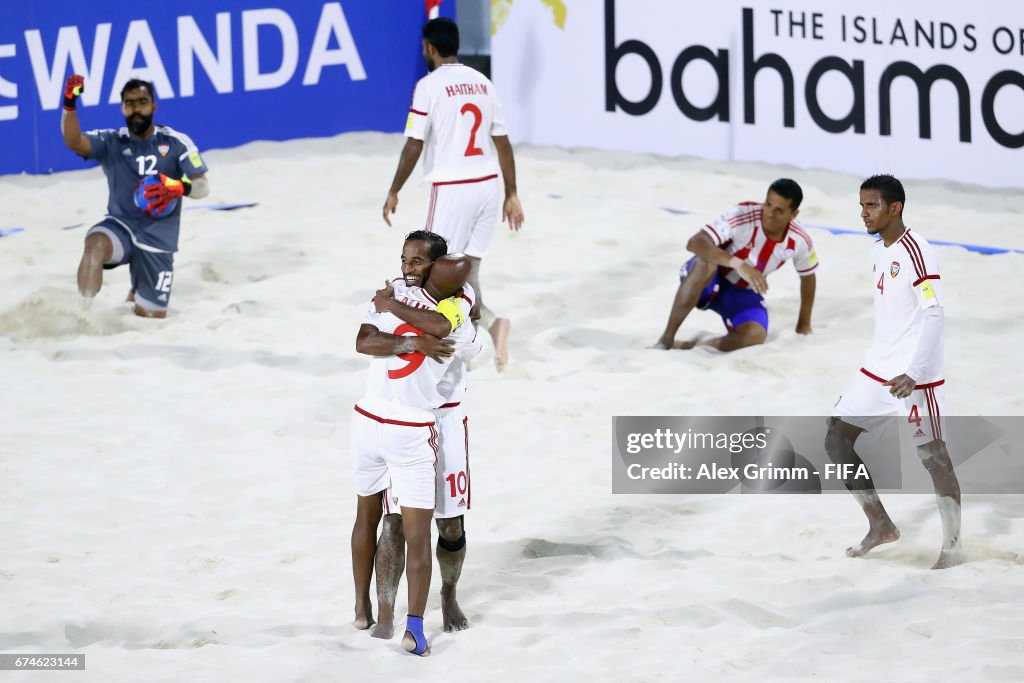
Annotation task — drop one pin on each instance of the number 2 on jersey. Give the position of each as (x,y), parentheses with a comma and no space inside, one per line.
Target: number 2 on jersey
(471,149)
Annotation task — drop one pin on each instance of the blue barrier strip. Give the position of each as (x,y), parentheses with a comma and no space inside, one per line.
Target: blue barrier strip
(981,249)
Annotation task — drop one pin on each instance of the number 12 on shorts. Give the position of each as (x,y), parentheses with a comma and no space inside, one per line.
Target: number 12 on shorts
(163,281)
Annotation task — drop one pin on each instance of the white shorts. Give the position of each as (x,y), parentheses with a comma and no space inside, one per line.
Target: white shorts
(865,398)
(453,492)
(396,453)
(465,213)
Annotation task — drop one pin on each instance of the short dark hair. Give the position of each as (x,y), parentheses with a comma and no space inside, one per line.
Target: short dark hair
(888,186)
(135,84)
(437,246)
(443,34)
(788,189)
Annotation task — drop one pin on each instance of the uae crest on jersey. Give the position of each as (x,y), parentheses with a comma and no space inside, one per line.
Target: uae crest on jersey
(894,269)
(163,149)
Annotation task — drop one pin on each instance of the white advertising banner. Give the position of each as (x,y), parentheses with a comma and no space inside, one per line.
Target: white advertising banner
(917,88)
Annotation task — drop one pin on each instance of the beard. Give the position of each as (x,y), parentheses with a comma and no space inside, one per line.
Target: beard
(139,124)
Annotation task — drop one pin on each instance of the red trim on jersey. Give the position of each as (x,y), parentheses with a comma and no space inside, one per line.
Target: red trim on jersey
(714,232)
(451,405)
(749,204)
(744,217)
(427,294)
(470,180)
(384,499)
(807,270)
(417,111)
(386,421)
(915,253)
(469,481)
(926,277)
(917,387)
(467,300)
(800,231)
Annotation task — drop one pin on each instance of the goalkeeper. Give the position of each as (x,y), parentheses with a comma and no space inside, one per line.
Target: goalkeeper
(140,228)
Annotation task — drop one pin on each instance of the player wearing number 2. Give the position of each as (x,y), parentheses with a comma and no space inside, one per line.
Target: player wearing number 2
(143,235)
(902,373)
(455,114)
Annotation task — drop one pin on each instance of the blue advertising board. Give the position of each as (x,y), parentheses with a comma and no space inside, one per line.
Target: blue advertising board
(225,71)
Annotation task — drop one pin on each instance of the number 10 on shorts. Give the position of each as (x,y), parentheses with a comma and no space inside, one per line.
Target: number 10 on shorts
(457,483)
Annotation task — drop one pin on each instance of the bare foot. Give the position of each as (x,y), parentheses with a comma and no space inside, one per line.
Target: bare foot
(383,629)
(131,295)
(363,620)
(685,345)
(660,345)
(409,643)
(499,333)
(452,616)
(949,557)
(874,537)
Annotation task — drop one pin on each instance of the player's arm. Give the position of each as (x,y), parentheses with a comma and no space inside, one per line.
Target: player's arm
(511,210)
(200,186)
(808,283)
(406,163)
(372,342)
(69,125)
(931,335)
(705,248)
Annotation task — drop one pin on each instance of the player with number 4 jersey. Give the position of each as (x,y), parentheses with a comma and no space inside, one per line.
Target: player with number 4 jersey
(149,168)
(902,374)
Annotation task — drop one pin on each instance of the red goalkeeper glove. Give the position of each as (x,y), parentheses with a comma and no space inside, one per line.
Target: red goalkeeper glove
(72,89)
(165,192)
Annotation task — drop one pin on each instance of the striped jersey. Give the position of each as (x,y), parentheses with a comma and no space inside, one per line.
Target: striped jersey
(738,231)
(455,111)
(905,281)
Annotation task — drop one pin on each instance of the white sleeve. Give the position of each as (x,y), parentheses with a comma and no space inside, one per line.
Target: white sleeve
(931,333)
(721,230)
(498,123)
(805,260)
(419,113)
(928,284)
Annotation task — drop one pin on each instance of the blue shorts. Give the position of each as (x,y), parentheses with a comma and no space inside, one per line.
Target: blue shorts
(151,272)
(736,305)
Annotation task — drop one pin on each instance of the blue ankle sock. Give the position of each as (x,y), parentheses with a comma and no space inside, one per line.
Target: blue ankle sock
(414,625)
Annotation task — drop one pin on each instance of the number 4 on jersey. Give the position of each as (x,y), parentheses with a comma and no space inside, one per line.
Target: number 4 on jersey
(881,284)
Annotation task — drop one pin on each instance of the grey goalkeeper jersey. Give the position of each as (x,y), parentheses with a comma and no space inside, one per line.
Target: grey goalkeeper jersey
(126,160)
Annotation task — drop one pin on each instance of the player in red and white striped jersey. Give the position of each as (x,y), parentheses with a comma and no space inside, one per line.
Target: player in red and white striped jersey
(902,373)
(731,261)
(454,117)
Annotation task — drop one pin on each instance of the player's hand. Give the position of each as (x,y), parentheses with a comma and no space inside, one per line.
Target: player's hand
(72,89)
(512,211)
(390,205)
(803,328)
(164,192)
(754,277)
(434,348)
(384,298)
(902,386)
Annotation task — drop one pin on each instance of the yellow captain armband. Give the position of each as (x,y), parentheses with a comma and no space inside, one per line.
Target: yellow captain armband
(812,258)
(451,309)
(927,291)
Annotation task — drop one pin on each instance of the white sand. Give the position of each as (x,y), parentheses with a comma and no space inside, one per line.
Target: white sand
(177,495)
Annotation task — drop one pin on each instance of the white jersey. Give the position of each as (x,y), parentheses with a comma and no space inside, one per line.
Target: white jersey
(905,281)
(408,379)
(453,384)
(738,231)
(455,111)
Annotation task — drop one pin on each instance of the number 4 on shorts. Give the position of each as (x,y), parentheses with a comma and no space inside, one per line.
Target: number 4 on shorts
(914,418)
